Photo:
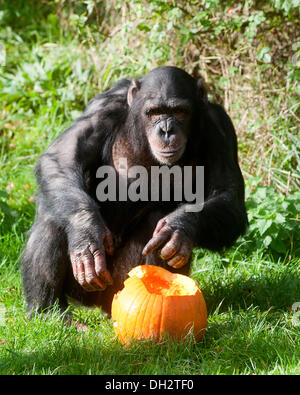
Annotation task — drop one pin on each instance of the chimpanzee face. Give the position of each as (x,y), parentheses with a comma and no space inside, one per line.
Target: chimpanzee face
(163,103)
(166,126)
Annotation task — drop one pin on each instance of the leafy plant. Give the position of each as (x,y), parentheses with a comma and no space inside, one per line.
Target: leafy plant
(274,221)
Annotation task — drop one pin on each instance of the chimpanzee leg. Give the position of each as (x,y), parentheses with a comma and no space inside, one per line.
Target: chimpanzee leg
(44,266)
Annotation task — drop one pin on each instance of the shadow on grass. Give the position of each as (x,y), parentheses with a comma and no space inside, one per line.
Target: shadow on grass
(249,342)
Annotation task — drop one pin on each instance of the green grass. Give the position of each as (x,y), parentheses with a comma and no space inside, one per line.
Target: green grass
(52,61)
(250,329)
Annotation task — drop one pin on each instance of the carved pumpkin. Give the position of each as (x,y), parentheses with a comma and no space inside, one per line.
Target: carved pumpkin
(155,302)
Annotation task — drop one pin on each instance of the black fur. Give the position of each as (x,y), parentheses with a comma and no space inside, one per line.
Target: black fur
(69,216)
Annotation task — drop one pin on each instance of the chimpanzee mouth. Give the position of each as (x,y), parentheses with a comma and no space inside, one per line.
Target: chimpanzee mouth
(169,153)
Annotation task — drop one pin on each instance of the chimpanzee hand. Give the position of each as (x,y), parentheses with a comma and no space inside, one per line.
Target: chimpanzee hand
(177,247)
(89,264)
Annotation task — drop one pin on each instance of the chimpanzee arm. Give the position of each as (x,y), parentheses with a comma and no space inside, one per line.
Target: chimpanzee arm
(223,216)
(62,174)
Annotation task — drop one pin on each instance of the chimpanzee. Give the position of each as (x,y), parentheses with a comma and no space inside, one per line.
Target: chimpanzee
(82,248)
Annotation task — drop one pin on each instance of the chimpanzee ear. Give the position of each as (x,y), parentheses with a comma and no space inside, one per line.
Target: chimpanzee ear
(202,92)
(134,87)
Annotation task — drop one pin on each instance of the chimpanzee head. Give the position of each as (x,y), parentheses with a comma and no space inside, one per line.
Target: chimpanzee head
(163,104)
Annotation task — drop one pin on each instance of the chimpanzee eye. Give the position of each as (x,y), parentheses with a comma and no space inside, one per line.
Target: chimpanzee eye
(180,114)
(155,117)
(154,114)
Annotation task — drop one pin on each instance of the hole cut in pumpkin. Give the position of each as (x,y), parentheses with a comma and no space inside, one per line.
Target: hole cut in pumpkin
(161,282)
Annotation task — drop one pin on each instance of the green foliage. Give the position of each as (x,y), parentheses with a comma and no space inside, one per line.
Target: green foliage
(274,221)
(288,6)
(54,57)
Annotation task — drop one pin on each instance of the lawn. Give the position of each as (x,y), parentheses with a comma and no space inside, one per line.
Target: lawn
(54,57)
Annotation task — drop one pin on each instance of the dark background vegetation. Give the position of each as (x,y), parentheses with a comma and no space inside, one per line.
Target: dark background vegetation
(54,57)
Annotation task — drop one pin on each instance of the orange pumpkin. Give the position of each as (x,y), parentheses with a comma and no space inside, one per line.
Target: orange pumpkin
(155,302)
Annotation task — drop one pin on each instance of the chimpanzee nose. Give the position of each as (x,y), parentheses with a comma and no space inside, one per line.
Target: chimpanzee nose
(166,126)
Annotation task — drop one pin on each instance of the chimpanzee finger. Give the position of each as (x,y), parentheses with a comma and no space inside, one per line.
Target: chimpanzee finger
(182,257)
(73,259)
(172,247)
(160,224)
(81,276)
(100,266)
(177,262)
(157,241)
(78,269)
(92,282)
(82,265)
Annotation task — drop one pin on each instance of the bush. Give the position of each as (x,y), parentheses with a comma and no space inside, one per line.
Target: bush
(273,221)
(248,53)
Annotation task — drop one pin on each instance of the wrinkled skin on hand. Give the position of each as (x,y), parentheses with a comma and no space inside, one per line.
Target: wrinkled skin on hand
(176,246)
(89,264)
